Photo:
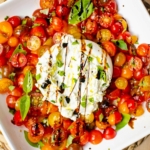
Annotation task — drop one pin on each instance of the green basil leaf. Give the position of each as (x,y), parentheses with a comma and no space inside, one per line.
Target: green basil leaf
(69,140)
(121,44)
(30,143)
(18,49)
(24,105)
(81,10)
(28,82)
(125,120)
(61,73)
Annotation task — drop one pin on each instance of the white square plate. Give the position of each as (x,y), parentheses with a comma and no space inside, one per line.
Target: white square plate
(139,24)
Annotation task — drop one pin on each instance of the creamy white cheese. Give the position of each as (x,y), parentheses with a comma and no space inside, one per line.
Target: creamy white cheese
(73,75)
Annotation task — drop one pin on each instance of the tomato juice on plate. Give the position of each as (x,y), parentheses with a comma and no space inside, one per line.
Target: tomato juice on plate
(23,40)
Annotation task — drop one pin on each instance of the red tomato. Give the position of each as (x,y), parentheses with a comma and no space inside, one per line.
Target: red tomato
(38,31)
(135,63)
(20,79)
(132,105)
(116,72)
(57,23)
(84,138)
(95,137)
(14,21)
(62,11)
(106,20)
(17,91)
(109,47)
(94,15)
(114,94)
(91,26)
(100,2)
(2,61)
(66,124)
(17,120)
(97,114)
(109,133)
(62,2)
(142,49)
(38,14)
(41,21)
(11,101)
(32,59)
(9,53)
(124,35)
(124,98)
(50,30)
(18,60)
(111,7)
(139,74)
(116,28)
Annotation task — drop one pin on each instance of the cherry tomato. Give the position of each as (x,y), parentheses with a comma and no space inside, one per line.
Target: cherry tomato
(32,59)
(109,133)
(138,75)
(14,21)
(123,108)
(33,43)
(57,37)
(11,101)
(135,63)
(74,146)
(94,15)
(40,21)
(139,111)
(17,120)
(145,83)
(62,11)
(142,49)
(17,91)
(55,119)
(20,79)
(5,83)
(131,104)
(116,28)
(106,20)
(38,13)
(95,137)
(116,71)
(97,114)
(102,125)
(114,94)
(66,123)
(13,41)
(57,23)
(91,26)
(121,83)
(127,72)
(109,47)
(2,61)
(6,31)
(84,138)
(38,31)
(120,59)
(18,60)
(5,70)
(111,7)
(103,35)
(27,21)
(51,4)
(101,2)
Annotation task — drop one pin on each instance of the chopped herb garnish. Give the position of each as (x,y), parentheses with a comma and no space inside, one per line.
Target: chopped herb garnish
(84,98)
(38,76)
(90,59)
(101,116)
(69,140)
(61,73)
(107,65)
(75,42)
(59,63)
(6,17)
(35,25)
(73,58)
(64,85)
(53,101)
(74,79)
(24,22)
(12,111)
(11,87)
(45,11)
(90,45)
(12,75)
(91,99)
(83,104)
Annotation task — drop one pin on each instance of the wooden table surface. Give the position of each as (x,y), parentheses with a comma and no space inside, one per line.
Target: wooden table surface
(143,144)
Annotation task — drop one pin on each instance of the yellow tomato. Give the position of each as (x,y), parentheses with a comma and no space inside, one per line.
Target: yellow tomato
(6,31)
(5,83)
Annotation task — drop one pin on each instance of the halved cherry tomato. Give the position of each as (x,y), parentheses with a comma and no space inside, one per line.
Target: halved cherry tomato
(11,101)
(62,11)
(95,137)
(57,23)
(109,133)
(84,138)
(135,63)
(57,37)
(116,28)
(32,59)
(6,31)
(109,47)
(114,94)
(111,7)
(18,60)
(106,20)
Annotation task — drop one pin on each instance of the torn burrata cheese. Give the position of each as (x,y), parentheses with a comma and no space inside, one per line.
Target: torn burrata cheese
(73,75)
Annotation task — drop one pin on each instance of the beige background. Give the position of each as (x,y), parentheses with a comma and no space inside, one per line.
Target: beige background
(144,144)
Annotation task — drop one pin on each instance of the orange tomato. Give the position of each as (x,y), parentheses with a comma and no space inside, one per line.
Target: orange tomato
(123,108)
(139,111)
(6,31)
(13,41)
(145,83)
(126,73)
(5,83)
(101,125)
